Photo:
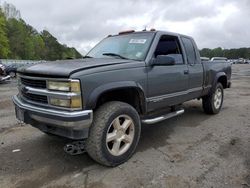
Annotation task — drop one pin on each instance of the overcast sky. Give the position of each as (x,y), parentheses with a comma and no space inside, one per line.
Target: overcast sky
(82,23)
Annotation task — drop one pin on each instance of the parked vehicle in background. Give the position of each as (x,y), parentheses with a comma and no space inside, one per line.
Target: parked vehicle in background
(3,75)
(219,59)
(247,61)
(12,69)
(11,65)
(240,61)
(205,59)
(235,61)
(2,69)
(125,80)
(232,61)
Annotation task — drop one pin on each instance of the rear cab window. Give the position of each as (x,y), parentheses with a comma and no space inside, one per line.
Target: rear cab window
(190,50)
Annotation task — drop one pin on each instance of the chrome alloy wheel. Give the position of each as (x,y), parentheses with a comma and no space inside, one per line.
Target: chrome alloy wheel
(217,98)
(120,135)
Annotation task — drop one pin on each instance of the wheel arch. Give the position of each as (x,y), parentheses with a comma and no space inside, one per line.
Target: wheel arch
(221,77)
(111,92)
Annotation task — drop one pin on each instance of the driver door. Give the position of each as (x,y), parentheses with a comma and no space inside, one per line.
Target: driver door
(167,85)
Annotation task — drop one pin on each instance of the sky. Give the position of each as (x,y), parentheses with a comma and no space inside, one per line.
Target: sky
(82,23)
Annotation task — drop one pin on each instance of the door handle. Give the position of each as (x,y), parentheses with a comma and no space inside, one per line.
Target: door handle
(186,71)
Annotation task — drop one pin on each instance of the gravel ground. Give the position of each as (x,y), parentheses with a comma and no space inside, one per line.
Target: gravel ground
(192,150)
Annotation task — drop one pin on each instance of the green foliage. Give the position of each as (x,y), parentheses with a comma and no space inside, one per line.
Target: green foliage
(54,50)
(19,40)
(228,53)
(4,42)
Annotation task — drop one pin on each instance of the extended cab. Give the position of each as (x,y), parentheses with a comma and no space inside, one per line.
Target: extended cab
(125,80)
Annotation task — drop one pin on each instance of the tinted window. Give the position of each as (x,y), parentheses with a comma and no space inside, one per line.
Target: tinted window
(169,45)
(189,48)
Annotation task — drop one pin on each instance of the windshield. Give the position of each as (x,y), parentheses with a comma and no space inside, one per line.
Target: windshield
(130,46)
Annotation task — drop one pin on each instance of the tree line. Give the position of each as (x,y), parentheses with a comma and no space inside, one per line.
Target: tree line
(228,53)
(19,40)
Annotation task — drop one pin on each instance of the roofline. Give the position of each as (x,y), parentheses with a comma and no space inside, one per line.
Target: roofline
(156,31)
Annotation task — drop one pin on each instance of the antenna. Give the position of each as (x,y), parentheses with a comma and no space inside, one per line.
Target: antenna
(145,28)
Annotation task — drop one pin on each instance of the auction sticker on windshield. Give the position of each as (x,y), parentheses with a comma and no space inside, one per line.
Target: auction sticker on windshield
(138,41)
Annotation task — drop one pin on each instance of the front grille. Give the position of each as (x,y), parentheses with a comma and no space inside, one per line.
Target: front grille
(36,98)
(33,83)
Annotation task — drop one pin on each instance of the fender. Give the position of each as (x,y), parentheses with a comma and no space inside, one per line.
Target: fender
(97,92)
(218,75)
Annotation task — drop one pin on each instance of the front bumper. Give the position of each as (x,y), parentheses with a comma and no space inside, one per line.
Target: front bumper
(74,125)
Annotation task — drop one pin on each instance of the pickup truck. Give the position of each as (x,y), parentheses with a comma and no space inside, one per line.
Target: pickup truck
(127,79)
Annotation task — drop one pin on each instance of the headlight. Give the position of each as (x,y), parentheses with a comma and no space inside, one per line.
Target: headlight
(60,102)
(74,102)
(72,85)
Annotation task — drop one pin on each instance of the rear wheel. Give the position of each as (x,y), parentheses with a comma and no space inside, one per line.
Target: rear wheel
(212,103)
(114,134)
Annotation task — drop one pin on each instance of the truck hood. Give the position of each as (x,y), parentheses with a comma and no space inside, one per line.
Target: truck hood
(64,68)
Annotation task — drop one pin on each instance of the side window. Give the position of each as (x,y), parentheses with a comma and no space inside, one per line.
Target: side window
(169,45)
(189,49)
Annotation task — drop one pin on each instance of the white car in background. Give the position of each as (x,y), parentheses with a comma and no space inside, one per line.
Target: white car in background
(205,59)
(219,59)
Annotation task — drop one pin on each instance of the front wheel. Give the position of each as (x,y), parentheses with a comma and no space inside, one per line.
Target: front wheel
(212,103)
(114,133)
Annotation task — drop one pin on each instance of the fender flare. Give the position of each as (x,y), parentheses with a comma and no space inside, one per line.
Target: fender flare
(97,92)
(218,75)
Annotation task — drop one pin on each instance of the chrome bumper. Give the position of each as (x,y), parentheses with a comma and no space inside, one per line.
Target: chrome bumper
(74,125)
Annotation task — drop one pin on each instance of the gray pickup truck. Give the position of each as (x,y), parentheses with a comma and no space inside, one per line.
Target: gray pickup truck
(125,80)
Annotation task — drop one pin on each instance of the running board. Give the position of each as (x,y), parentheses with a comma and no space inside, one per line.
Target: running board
(163,117)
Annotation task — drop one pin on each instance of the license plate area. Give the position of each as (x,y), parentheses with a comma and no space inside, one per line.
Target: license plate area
(19,114)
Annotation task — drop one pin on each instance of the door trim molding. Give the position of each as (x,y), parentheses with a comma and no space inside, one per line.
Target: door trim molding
(171,95)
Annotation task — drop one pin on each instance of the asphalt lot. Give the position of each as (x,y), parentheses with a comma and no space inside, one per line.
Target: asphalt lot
(192,150)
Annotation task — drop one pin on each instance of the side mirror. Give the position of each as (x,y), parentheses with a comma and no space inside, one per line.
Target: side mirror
(163,60)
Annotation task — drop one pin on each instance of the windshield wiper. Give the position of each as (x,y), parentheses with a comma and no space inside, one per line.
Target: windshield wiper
(86,56)
(114,54)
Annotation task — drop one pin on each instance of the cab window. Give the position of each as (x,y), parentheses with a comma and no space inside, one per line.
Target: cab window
(190,50)
(169,45)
